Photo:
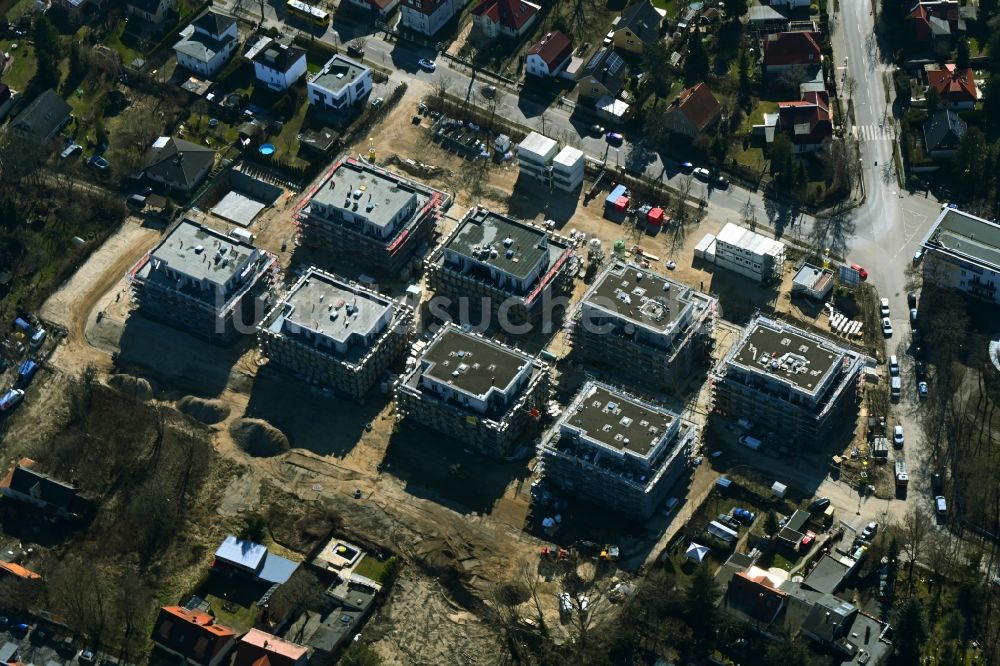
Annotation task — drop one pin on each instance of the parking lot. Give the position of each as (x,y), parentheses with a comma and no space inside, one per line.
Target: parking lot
(41,646)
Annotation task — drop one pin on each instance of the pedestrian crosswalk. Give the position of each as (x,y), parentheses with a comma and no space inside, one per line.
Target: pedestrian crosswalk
(874,132)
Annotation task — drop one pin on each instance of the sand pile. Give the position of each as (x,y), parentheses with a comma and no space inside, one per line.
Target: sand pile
(258,438)
(205,410)
(135,387)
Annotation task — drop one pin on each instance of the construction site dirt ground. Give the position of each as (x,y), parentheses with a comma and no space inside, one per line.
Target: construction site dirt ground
(421,495)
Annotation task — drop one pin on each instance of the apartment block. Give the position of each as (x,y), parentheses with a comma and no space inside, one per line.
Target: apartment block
(617,450)
(789,381)
(478,391)
(645,327)
(748,253)
(501,266)
(204,282)
(334,333)
(539,158)
(369,215)
(962,252)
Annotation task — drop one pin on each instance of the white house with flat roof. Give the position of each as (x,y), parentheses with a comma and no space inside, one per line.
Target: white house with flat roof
(567,169)
(341,84)
(617,450)
(539,158)
(962,252)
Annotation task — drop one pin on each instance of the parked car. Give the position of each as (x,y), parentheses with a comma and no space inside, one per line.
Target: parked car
(922,390)
(937,484)
(897,436)
(701,173)
(913,316)
(918,255)
(614,138)
(687,167)
(886,327)
(743,515)
(750,442)
(378,102)
(911,299)
(807,539)
(941,505)
(721,182)
(596,129)
(819,504)
(862,273)
(488,91)
(883,306)
(71,149)
(870,530)
(87,657)
(428,65)
(893,366)
(99,163)
(355,50)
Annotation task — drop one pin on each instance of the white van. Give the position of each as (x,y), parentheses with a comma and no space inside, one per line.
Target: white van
(893,366)
(895,387)
(941,505)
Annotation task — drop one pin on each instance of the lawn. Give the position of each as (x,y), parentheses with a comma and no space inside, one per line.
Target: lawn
(23,67)
(231,614)
(371,567)
(114,41)
(233,600)
(288,141)
(757,117)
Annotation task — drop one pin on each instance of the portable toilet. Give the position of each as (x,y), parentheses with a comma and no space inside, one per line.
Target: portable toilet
(779,490)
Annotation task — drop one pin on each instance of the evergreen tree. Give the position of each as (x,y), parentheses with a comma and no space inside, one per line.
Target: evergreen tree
(696,63)
(700,606)
(735,9)
(911,632)
(962,58)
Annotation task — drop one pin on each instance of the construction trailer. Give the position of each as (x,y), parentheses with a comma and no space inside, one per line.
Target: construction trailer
(749,253)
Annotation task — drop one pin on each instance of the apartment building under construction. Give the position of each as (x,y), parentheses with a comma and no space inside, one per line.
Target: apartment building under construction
(335,333)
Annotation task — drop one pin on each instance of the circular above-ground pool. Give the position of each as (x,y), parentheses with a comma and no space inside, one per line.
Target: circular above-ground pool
(267,149)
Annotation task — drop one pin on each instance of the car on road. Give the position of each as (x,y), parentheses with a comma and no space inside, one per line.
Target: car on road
(883,306)
(862,273)
(428,65)
(922,390)
(721,182)
(687,167)
(596,129)
(743,515)
(870,530)
(897,436)
(913,316)
(614,138)
(819,504)
(355,50)
(701,173)
(886,327)
(911,299)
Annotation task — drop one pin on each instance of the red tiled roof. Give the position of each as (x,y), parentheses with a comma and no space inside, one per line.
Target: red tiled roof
(759,599)
(807,121)
(953,84)
(512,14)
(698,105)
(553,48)
(191,633)
(792,48)
(259,648)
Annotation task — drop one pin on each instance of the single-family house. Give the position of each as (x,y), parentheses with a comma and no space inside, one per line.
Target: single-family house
(807,122)
(57,498)
(955,87)
(550,55)
(604,75)
(504,18)
(154,12)
(765,20)
(693,111)
(638,26)
(784,50)
(254,560)
(259,648)
(340,85)
(381,7)
(934,23)
(207,43)
(177,164)
(943,131)
(427,16)
(278,65)
(43,118)
(192,636)
(710,16)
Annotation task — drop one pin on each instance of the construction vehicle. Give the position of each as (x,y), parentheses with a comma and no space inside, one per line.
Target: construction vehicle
(550,552)
(609,553)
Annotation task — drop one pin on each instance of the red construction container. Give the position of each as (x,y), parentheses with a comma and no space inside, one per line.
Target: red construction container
(655,216)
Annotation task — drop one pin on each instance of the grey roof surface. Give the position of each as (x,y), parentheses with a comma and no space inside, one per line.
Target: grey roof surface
(617,420)
(827,576)
(43,115)
(781,350)
(7,652)
(200,46)
(319,301)
(944,124)
(279,57)
(488,228)
(213,23)
(377,197)
(765,13)
(640,296)
(481,364)
(180,252)
(642,19)
(608,68)
(242,552)
(178,161)
(338,72)
(277,569)
(798,520)
(965,234)
(28,481)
